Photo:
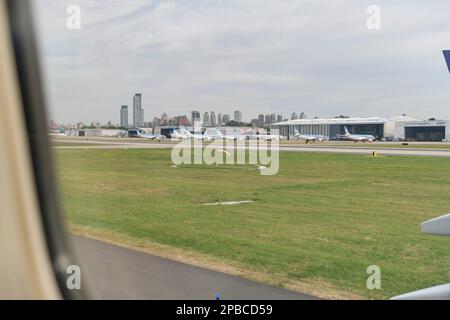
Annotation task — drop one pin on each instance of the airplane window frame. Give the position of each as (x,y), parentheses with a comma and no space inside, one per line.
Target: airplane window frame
(31,85)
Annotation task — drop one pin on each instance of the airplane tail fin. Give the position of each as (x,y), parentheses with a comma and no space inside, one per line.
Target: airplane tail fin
(447,58)
(296,133)
(346,131)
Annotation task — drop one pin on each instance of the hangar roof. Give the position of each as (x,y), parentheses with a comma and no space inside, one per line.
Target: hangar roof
(369,120)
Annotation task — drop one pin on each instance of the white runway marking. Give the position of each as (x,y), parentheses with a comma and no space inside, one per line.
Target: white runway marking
(227,203)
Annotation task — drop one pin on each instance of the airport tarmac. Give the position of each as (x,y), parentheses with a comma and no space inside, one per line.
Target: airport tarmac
(431,152)
(120,273)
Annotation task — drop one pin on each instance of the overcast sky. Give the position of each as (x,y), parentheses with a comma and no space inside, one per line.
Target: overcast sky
(253,55)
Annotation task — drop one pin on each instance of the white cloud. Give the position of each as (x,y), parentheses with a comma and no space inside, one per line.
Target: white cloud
(259,56)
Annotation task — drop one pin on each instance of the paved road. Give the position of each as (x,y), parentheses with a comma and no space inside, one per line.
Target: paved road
(121,273)
(295,148)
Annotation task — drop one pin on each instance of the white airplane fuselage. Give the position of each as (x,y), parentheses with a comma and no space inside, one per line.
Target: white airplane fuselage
(355,137)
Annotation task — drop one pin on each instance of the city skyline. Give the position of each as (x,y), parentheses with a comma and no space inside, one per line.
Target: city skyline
(232,55)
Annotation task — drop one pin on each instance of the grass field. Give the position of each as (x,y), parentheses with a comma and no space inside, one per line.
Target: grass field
(321,221)
(77,144)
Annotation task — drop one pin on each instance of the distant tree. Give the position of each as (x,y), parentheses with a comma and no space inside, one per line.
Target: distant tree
(110,127)
(342,116)
(233,123)
(432,119)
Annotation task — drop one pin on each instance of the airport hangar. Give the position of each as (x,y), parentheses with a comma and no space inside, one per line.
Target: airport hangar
(386,128)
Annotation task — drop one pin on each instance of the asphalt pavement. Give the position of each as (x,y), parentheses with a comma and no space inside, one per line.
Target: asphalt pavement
(114,272)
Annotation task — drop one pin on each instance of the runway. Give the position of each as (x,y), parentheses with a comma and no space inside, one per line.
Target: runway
(366,150)
(119,273)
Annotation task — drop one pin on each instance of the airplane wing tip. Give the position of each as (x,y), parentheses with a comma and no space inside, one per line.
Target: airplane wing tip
(437,226)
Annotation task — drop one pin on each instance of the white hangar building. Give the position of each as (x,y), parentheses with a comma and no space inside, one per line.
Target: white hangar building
(390,128)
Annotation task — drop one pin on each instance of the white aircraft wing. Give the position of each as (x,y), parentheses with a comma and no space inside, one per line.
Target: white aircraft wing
(441,292)
(438,226)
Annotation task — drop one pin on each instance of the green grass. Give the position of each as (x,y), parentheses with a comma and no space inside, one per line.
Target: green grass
(77,144)
(323,217)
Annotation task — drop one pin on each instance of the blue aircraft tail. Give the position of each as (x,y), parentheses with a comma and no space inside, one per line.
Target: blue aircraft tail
(447,58)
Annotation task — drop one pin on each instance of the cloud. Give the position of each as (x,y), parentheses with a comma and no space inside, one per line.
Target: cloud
(253,55)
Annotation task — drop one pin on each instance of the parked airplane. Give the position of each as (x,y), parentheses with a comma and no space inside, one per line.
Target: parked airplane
(308,137)
(235,136)
(182,134)
(212,134)
(355,137)
(139,133)
(266,137)
(157,137)
(253,135)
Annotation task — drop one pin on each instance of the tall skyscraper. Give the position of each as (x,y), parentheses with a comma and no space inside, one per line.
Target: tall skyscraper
(212,119)
(226,118)
(138,112)
(238,116)
(124,116)
(195,117)
(219,119)
(279,118)
(261,120)
(273,118)
(206,119)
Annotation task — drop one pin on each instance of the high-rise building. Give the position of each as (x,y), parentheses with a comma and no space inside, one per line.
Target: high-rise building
(219,119)
(302,116)
(164,119)
(238,116)
(294,116)
(212,119)
(156,122)
(138,112)
(226,118)
(261,120)
(195,117)
(206,119)
(267,119)
(173,122)
(273,118)
(124,116)
(279,118)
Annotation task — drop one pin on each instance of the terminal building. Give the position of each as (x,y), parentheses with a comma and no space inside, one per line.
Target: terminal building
(384,128)
(428,130)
